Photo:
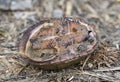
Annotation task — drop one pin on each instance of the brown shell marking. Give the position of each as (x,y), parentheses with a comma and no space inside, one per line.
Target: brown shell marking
(57,43)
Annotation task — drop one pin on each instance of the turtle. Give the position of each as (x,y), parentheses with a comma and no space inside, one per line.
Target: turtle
(56,43)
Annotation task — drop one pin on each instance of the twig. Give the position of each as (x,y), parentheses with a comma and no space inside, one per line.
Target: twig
(108,69)
(22,69)
(85,62)
(77,7)
(69,6)
(98,75)
(3,59)
(20,77)
(10,52)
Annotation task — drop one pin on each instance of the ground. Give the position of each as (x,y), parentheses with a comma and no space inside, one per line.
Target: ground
(102,65)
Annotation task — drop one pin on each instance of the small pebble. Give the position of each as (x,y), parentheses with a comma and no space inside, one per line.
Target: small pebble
(21,4)
(16,4)
(90,65)
(58,13)
(5,4)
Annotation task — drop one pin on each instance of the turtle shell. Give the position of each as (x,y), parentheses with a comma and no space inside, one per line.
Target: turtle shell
(56,43)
